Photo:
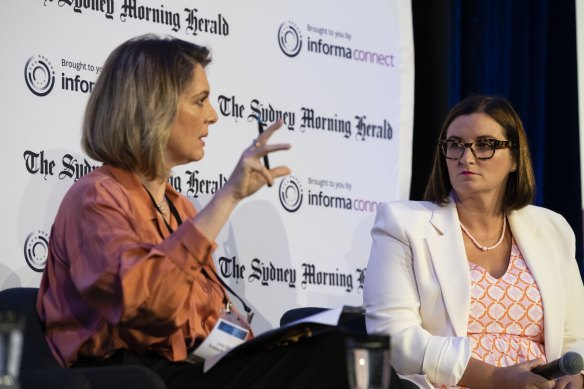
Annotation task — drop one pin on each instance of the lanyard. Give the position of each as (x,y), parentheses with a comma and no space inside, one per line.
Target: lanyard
(247,309)
(226,303)
(172,208)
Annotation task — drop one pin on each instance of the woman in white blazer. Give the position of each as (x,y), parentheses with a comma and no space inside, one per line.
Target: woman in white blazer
(475,286)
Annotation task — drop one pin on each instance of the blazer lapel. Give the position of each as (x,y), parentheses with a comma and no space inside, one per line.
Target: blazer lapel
(531,241)
(451,266)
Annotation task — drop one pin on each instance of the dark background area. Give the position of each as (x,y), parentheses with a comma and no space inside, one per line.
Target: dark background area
(524,50)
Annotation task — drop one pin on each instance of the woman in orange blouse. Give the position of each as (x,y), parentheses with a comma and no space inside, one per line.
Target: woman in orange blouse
(129,264)
(475,286)
(129,276)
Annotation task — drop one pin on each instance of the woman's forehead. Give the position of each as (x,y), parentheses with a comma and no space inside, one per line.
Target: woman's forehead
(474,125)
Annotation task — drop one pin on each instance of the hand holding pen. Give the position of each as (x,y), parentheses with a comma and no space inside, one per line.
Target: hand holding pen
(250,173)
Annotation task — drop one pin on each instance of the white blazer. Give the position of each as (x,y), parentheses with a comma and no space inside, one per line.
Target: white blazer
(417,286)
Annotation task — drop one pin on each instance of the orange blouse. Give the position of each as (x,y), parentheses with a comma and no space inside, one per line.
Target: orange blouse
(113,282)
(505,323)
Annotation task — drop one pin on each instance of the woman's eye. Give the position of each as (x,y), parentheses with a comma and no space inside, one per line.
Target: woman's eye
(484,145)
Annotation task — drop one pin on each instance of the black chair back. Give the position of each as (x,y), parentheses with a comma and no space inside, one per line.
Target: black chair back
(35,352)
(39,369)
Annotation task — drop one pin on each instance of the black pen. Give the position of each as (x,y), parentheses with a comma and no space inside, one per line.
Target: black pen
(261,129)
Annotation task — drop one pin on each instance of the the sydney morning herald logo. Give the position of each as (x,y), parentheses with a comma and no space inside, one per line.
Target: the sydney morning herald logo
(292,195)
(325,41)
(190,20)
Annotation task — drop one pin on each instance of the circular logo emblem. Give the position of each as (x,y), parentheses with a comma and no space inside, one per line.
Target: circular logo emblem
(36,250)
(290,194)
(39,75)
(289,39)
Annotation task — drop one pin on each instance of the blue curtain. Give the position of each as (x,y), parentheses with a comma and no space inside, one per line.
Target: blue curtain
(524,50)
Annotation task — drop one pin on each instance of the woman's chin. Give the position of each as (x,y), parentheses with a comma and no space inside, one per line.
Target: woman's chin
(199,155)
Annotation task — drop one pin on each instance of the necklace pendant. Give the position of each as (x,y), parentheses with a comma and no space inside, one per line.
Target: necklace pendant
(484,248)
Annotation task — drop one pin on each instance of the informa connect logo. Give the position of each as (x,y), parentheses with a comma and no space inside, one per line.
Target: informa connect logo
(290,39)
(36,250)
(290,194)
(39,75)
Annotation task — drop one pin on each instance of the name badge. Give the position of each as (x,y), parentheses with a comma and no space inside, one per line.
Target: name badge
(224,336)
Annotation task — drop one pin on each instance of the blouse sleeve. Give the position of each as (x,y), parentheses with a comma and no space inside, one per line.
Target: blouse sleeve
(122,267)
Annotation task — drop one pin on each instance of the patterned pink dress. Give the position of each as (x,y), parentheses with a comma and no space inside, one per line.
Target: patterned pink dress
(505,323)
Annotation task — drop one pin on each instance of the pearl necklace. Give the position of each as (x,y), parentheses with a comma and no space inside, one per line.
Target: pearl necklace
(159,205)
(485,248)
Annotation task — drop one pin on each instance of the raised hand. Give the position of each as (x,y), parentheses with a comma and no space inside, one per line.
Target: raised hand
(250,174)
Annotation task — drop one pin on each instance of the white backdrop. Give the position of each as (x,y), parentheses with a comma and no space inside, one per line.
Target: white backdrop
(339,72)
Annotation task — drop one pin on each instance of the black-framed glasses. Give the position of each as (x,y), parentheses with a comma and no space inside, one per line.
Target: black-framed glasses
(481,149)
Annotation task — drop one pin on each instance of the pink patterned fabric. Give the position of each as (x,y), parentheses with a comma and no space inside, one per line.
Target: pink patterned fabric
(505,322)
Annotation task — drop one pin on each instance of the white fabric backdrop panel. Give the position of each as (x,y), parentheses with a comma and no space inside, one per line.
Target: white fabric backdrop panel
(340,74)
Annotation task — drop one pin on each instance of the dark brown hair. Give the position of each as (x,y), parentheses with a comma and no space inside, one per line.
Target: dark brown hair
(520,189)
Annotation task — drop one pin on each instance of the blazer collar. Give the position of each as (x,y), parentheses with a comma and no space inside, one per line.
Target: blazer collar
(450,263)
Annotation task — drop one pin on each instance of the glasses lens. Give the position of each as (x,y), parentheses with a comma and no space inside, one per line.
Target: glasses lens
(452,149)
(484,148)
